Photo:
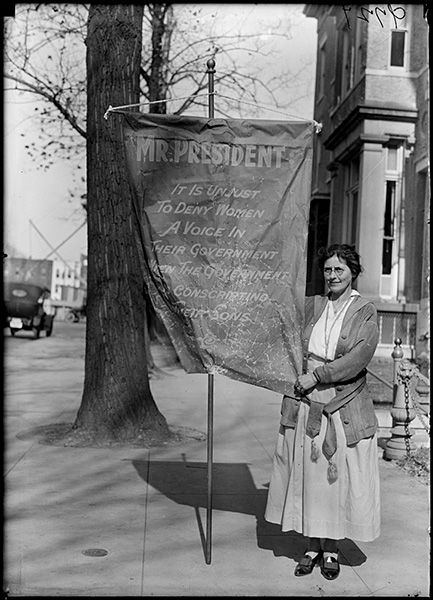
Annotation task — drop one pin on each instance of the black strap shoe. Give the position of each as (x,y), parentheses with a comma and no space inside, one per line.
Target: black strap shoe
(306,565)
(330,568)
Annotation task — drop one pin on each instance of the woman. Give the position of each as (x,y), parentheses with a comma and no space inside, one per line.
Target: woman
(325,479)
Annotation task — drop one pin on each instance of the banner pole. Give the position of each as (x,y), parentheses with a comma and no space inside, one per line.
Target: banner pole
(210,396)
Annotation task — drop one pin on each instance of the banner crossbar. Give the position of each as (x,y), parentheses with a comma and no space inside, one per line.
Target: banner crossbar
(211,95)
(114,108)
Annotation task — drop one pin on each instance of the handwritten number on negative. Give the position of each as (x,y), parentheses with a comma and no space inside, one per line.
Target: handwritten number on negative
(363,16)
(397,16)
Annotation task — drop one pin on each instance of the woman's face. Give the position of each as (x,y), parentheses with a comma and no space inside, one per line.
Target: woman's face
(338,276)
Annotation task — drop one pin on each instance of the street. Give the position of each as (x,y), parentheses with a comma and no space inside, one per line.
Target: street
(45,360)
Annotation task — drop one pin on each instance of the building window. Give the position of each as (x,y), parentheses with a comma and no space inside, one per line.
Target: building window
(317,238)
(322,70)
(349,59)
(347,64)
(318,159)
(392,159)
(350,212)
(393,224)
(399,46)
(358,51)
(398,39)
(352,217)
(388,227)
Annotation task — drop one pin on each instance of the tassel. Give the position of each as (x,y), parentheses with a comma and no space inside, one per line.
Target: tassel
(314,451)
(332,471)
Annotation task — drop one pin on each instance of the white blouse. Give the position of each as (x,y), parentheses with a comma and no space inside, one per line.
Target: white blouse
(326,331)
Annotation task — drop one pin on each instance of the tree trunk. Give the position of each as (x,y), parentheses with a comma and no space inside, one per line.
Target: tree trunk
(157,80)
(117,401)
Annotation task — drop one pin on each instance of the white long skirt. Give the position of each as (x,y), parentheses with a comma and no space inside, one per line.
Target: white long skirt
(302,499)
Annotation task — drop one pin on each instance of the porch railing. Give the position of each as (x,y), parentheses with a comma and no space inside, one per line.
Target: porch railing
(397,324)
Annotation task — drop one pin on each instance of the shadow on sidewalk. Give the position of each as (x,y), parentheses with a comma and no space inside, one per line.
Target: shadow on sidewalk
(233,490)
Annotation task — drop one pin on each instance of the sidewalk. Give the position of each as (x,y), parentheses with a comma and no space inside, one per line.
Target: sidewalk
(130,522)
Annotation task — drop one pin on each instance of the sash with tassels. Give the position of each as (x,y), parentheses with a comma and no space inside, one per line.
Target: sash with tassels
(329,445)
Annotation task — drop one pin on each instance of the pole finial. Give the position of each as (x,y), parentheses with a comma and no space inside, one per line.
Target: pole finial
(397,353)
(211,72)
(211,64)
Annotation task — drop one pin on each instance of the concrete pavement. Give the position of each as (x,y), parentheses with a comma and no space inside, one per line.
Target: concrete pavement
(131,521)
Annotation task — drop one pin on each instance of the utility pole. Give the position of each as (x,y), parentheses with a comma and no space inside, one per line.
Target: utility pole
(54,250)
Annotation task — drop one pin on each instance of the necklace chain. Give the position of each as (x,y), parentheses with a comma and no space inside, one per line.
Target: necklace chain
(336,317)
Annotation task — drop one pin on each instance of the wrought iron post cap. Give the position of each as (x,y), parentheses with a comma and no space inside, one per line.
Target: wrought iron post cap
(397,353)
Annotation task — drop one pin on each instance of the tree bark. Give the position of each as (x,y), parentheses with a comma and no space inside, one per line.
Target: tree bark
(157,79)
(117,401)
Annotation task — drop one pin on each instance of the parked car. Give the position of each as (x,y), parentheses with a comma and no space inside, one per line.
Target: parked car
(27,307)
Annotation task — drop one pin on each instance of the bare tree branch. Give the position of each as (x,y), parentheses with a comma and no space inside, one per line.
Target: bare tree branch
(45,49)
(29,87)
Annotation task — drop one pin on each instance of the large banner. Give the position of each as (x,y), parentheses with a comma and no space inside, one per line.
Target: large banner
(223,211)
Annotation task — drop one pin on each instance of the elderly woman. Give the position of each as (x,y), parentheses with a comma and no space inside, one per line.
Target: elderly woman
(325,479)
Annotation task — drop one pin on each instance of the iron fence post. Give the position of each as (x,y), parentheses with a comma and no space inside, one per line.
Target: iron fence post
(402,410)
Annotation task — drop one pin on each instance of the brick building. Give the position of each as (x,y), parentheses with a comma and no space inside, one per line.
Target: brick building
(371,158)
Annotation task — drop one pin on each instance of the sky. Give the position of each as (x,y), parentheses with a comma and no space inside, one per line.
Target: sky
(37,204)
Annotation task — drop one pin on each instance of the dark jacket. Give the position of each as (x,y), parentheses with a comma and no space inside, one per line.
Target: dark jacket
(355,348)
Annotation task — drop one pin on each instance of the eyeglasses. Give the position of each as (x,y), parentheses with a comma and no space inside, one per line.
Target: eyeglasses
(337,270)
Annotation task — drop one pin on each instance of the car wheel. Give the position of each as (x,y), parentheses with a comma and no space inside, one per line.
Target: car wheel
(72,317)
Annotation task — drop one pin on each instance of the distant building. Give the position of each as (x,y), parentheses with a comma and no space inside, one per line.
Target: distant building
(370,182)
(69,285)
(69,279)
